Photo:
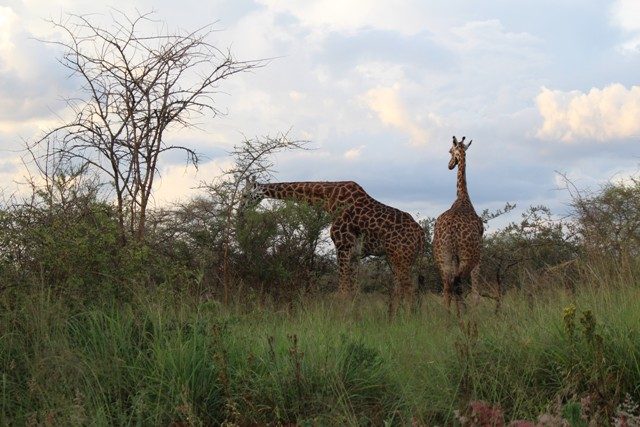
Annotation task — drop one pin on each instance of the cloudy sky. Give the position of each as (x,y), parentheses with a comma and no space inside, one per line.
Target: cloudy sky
(379,87)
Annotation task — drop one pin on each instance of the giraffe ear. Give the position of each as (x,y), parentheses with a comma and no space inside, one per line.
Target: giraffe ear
(468,145)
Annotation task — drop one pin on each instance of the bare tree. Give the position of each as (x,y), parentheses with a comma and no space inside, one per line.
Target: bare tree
(136,86)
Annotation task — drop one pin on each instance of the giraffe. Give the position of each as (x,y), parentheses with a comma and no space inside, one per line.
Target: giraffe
(457,237)
(361,226)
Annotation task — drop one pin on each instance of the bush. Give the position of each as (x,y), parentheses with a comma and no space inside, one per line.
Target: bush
(279,249)
(608,221)
(63,238)
(366,384)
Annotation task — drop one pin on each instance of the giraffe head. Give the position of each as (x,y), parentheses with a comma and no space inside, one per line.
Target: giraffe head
(252,193)
(457,151)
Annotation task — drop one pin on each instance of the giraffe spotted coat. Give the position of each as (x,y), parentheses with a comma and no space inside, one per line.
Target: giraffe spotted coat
(457,238)
(361,226)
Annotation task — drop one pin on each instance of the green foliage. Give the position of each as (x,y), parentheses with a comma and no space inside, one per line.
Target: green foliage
(108,365)
(589,367)
(572,412)
(522,250)
(97,330)
(367,385)
(63,237)
(609,220)
(429,276)
(279,247)
(66,239)
(165,357)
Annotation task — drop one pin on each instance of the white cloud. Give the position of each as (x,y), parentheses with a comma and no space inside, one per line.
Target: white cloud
(20,49)
(382,73)
(625,14)
(489,35)
(406,16)
(297,96)
(589,174)
(180,182)
(11,169)
(342,78)
(627,178)
(631,46)
(8,26)
(258,35)
(386,103)
(17,173)
(600,114)
(353,153)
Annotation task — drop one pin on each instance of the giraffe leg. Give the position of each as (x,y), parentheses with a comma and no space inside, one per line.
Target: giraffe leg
(448,266)
(475,284)
(469,268)
(393,301)
(447,284)
(345,272)
(411,294)
(346,242)
(347,268)
(356,255)
(458,295)
(402,291)
(408,287)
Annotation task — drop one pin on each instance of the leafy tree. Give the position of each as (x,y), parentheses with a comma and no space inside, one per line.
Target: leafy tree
(62,236)
(537,242)
(253,157)
(609,221)
(279,247)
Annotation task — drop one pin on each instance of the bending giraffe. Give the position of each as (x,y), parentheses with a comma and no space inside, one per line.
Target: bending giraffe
(361,226)
(457,237)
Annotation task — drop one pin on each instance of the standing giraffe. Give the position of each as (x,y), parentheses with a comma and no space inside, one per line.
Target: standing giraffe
(457,237)
(361,226)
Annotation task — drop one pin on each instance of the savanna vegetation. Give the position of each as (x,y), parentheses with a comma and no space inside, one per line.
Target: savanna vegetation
(113,312)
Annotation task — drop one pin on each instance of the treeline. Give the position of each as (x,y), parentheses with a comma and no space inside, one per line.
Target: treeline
(65,236)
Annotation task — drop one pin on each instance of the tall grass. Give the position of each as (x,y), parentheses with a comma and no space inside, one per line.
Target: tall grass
(165,358)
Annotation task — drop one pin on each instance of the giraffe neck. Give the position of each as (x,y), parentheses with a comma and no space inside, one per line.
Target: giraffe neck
(299,191)
(333,196)
(461,184)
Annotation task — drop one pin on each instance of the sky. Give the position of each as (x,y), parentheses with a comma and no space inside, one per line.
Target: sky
(378,88)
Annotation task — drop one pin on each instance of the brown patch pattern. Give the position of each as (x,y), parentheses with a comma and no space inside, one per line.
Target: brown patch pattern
(457,238)
(362,226)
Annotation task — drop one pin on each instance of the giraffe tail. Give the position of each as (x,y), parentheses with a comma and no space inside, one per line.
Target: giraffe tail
(421,272)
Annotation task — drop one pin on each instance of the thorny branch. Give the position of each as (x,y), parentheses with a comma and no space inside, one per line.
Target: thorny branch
(253,157)
(136,87)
